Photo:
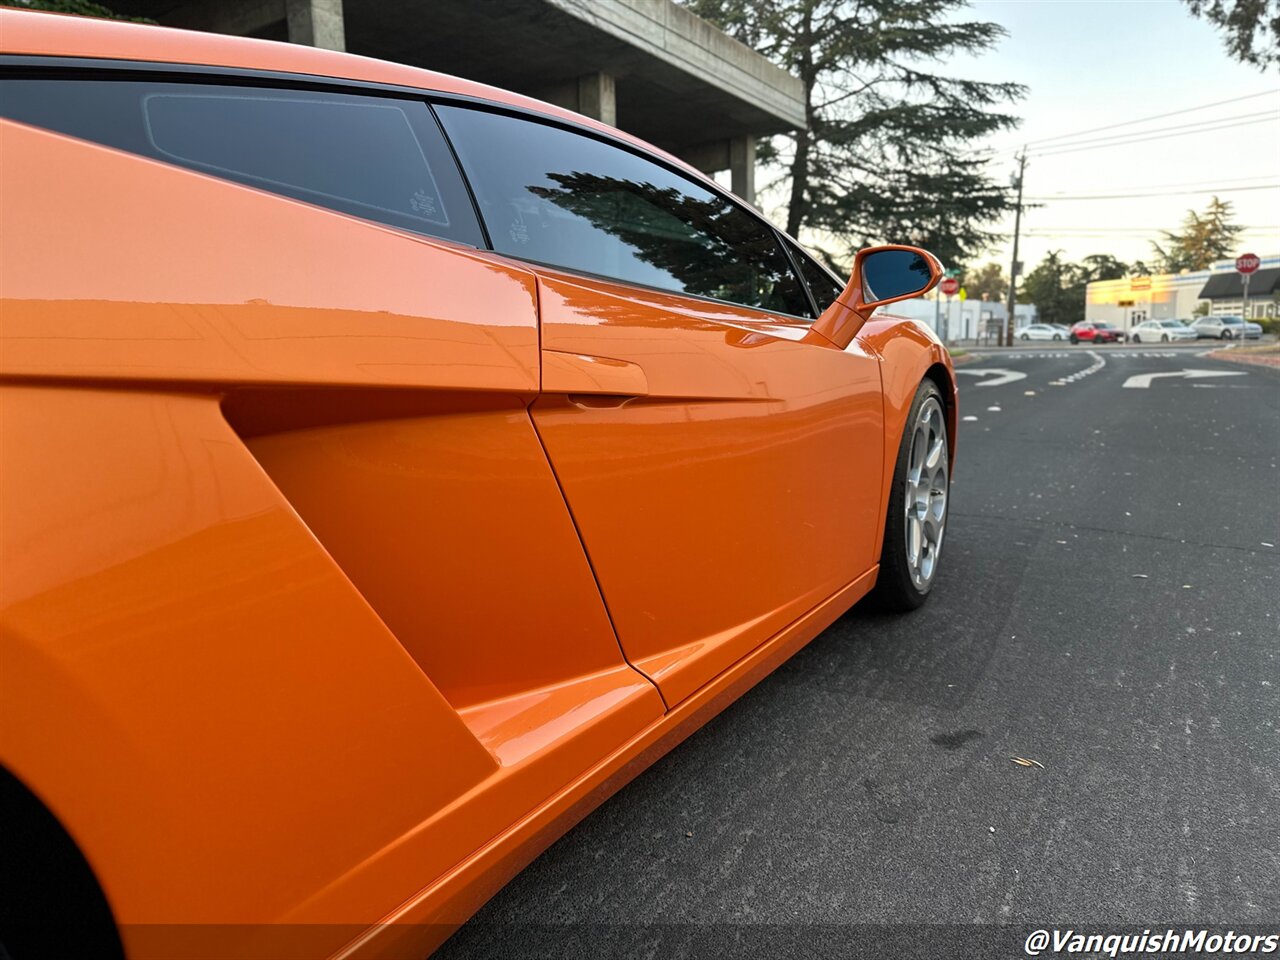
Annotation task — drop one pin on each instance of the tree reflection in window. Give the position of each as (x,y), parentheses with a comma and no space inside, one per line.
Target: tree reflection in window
(706,246)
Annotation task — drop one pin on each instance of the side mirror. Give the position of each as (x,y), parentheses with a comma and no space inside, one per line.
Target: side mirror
(880,275)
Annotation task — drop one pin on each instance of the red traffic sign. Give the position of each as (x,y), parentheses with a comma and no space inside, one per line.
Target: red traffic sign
(1247,263)
(950,286)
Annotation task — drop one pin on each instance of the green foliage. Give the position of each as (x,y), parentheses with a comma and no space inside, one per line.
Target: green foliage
(1203,239)
(988,282)
(1252,28)
(1102,266)
(887,151)
(1056,287)
(84,8)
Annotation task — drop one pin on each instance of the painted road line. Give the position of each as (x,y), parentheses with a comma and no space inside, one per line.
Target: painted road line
(1001,376)
(1098,363)
(1143,380)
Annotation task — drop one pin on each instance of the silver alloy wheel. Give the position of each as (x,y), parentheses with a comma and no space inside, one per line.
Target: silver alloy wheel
(926,493)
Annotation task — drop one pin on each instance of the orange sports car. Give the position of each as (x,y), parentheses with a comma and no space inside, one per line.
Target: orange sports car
(392,468)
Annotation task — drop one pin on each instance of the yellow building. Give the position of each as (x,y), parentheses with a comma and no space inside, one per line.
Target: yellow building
(1176,296)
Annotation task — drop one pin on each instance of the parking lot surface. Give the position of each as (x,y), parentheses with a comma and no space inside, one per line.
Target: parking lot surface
(1107,608)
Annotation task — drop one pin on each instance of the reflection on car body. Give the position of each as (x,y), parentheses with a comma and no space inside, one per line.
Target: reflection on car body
(403,465)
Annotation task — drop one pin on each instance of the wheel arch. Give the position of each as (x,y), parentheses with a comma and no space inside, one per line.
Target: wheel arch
(944,377)
(51,903)
(910,353)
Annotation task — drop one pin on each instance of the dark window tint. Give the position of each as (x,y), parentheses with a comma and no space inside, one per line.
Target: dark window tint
(824,287)
(376,157)
(557,197)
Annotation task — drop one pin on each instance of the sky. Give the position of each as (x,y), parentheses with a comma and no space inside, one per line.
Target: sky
(1094,63)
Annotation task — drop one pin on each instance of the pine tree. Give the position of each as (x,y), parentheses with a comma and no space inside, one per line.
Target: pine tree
(887,154)
(1252,28)
(1204,238)
(987,283)
(1056,287)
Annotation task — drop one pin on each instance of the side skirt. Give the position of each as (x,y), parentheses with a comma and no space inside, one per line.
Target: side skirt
(426,920)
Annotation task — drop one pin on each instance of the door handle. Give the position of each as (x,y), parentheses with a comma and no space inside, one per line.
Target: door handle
(592,381)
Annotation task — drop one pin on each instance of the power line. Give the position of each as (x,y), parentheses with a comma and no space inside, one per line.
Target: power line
(1122,229)
(1162,136)
(1142,133)
(1168,193)
(1158,116)
(1196,183)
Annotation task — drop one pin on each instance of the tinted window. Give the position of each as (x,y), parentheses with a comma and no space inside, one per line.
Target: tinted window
(824,287)
(376,157)
(558,197)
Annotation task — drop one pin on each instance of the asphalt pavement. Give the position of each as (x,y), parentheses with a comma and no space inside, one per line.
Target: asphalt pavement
(1108,607)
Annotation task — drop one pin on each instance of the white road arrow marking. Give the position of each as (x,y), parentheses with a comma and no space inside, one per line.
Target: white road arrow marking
(1001,376)
(1143,380)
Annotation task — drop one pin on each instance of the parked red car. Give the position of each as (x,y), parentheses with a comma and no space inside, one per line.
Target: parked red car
(1095,332)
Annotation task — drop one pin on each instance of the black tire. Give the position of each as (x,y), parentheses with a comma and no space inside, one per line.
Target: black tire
(1226,335)
(1024,337)
(895,589)
(1136,338)
(1074,339)
(1057,336)
(1165,338)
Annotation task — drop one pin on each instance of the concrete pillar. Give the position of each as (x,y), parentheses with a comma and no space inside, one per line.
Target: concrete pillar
(317,23)
(737,155)
(742,167)
(598,97)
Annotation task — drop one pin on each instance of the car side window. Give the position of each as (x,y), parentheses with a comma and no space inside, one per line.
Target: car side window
(822,285)
(562,198)
(381,158)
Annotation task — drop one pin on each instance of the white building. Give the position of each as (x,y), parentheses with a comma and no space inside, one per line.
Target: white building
(1172,296)
(963,319)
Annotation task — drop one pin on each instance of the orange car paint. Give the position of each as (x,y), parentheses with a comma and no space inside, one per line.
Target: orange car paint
(720,430)
(303,631)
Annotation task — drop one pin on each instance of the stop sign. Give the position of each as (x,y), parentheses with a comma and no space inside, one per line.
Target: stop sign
(950,286)
(1247,263)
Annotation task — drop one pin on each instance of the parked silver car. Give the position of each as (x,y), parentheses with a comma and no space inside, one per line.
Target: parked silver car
(1040,331)
(1162,331)
(1226,328)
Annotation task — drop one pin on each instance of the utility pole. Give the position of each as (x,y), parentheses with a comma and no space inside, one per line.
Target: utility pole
(1013,267)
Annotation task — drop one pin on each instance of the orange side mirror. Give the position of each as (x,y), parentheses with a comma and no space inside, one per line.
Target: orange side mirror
(880,275)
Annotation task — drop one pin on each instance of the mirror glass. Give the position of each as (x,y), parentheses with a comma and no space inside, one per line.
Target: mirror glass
(887,274)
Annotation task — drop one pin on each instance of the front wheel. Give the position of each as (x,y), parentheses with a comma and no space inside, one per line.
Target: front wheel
(1057,336)
(1165,338)
(918,503)
(1226,334)
(1074,339)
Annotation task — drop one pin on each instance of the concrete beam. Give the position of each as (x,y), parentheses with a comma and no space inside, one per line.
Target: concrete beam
(593,95)
(710,157)
(316,23)
(736,154)
(672,34)
(241,18)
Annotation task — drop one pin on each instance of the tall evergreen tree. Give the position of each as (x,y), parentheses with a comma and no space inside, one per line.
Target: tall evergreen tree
(987,283)
(887,153)
(1252,28)
(1056,288)
(1204,238)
